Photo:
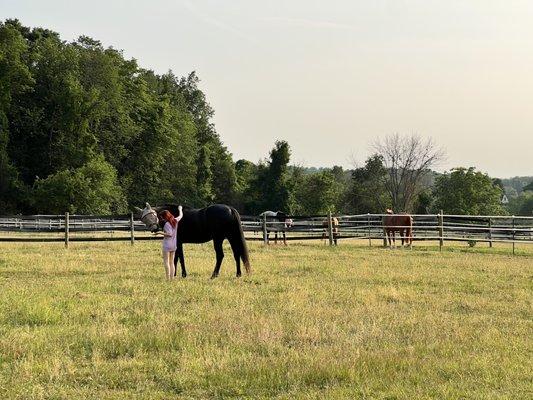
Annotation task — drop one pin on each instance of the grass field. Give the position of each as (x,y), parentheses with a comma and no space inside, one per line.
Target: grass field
(98,321)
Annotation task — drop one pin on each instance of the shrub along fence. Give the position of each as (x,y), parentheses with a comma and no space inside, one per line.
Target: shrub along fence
(329,228)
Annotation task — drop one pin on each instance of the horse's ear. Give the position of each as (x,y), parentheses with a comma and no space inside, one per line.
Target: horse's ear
(148,206)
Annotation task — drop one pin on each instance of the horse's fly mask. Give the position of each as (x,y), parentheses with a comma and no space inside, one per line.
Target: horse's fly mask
(149,218)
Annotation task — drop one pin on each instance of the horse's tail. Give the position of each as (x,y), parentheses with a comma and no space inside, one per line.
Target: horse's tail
(241,242)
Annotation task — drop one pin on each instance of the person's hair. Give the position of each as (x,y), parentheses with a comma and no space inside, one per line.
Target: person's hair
(168,217)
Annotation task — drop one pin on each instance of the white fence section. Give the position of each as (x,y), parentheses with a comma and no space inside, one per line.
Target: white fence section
(478,228)
(436,227)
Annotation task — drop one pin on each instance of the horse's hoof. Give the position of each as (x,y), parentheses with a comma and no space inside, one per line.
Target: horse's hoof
(184,275)
(214,276)
(239,275)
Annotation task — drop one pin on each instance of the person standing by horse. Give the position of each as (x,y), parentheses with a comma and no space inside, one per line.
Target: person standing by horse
(170,229)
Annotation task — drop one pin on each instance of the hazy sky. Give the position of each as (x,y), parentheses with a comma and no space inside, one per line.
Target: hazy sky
(331,76)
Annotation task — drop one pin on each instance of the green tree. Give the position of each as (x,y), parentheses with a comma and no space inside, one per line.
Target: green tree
(224,177)
(368,192)
(424,202)
(245,172)
(270,187)
(528,187)
(222,183)
(91,189)
(522,204)
(204,176)
(63,105)
(276,189)
(15,79)
(254,195)
(318,193)
(467,191)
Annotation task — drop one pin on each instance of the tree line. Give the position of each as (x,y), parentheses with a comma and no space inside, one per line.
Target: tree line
(84,130)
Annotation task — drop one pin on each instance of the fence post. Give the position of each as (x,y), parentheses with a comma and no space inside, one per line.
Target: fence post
(513,235)
(368,228)
(441,230)
(132,230)
(384,232)
(66,229)
(265,234)
(490,232)
(330,229)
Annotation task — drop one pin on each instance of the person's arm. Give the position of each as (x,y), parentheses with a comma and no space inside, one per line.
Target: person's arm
(165,232)
(180,216)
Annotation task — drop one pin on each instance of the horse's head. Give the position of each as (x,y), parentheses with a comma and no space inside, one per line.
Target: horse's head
(389,211)
(149,217)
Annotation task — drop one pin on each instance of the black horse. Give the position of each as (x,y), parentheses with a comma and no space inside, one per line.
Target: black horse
(216,222)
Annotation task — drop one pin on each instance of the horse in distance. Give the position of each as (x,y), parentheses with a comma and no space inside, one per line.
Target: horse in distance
(402,223)
(280,222)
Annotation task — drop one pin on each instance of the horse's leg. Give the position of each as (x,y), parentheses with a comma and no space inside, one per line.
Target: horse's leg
(179,255)
(276,237)
(220,256)
(284,238)
(236,253)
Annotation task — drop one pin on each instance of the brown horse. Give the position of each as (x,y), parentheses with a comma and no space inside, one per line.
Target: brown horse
(403,223)
(334,228)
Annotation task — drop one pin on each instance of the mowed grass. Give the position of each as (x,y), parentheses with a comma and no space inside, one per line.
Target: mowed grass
(98,321)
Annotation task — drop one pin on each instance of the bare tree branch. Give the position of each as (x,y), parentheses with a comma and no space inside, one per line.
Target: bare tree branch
(407,159)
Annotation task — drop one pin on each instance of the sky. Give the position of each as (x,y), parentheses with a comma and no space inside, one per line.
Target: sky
(331,77)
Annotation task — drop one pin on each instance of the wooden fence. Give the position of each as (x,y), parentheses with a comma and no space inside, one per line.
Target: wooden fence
(435,227)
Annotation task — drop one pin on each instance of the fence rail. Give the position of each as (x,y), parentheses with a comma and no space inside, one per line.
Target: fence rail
(436,227)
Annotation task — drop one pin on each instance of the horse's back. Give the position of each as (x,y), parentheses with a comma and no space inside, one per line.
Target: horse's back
(398,220)
(200,225)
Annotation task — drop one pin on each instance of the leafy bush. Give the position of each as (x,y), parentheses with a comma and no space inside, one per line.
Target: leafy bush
(90,189)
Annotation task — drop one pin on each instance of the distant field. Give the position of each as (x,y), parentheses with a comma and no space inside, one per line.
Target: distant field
(98,321)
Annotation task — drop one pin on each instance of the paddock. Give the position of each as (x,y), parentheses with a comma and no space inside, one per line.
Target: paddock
(97,320)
